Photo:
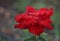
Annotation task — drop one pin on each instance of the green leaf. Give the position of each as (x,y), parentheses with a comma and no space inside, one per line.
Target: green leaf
(41,39)
(33,38)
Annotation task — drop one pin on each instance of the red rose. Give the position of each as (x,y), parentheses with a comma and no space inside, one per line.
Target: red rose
(35,20)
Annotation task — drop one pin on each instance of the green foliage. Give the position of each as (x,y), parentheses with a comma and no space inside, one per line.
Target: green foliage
(41,39)
(21,5)
(33,38)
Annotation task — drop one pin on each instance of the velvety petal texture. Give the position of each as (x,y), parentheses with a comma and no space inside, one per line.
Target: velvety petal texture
(35,30)
(35,20)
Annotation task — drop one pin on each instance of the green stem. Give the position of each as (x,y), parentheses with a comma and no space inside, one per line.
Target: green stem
(36,38)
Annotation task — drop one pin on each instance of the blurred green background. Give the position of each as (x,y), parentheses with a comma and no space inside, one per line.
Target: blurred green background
(8,10)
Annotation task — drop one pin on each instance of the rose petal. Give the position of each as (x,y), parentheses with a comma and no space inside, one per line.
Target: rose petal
(46,24)
(21,26)
(36,30)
